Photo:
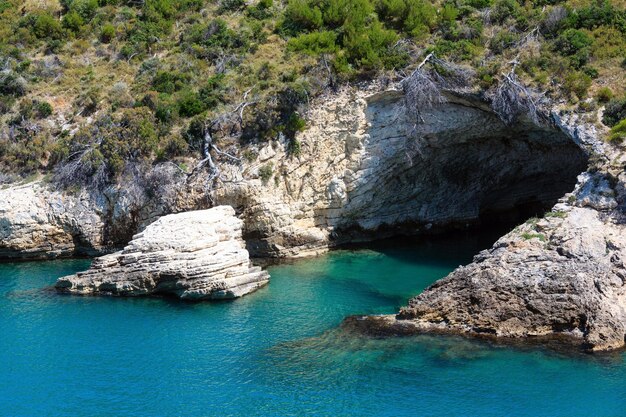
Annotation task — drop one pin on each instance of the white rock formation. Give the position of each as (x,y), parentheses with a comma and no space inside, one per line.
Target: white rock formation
(195,255)
(36,222)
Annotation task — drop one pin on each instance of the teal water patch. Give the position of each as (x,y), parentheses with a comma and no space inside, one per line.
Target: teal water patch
(278,351)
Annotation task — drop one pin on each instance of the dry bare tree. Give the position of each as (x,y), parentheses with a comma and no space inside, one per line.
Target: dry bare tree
(510,99)
(424,87)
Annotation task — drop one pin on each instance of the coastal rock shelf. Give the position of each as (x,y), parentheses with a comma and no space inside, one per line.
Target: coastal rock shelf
(560,277)
(194,255)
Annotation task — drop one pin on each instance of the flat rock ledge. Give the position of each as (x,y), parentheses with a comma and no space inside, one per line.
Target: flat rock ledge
(561,278)
(196,255)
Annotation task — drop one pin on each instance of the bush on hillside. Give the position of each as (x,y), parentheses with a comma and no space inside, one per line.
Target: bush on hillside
(614,111)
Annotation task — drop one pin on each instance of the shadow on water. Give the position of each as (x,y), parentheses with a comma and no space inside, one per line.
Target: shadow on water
(442,248)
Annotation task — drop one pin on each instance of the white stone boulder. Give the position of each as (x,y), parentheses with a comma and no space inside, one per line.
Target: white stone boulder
(194,255)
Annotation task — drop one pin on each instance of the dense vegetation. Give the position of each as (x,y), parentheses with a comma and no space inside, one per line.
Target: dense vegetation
(100,85)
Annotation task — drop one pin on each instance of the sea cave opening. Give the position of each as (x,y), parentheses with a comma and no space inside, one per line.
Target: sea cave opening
(463,168)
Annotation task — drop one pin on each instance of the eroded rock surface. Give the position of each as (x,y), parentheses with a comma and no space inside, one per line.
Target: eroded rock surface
(560,276)
(194,255)
(36,222)
(366,171)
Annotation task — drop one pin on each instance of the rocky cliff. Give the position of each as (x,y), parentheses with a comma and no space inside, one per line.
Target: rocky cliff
(560,277)
(364,172)
(367,172)
(196,255)
(38,221)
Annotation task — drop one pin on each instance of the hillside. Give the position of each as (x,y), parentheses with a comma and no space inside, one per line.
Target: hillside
(95,92)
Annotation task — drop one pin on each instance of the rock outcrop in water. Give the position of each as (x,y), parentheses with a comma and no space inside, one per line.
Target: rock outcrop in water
(195,255)
(562,276)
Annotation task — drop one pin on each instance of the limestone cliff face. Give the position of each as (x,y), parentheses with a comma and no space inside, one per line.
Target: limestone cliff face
(36,222)
(365,171)
(39,222)
(196,255)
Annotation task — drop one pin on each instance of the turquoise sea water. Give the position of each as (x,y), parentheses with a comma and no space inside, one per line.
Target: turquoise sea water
(278,351)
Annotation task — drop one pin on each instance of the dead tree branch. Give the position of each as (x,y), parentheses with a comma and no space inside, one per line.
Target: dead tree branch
(510,99)
(423,87)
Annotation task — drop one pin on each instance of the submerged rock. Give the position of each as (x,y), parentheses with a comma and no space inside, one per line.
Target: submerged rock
(194,255)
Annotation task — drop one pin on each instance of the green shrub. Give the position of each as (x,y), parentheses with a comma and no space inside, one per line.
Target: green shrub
(43,25)
(503,40)
(415,17)
(371,49)
(301,16)
(600,13)
(73,21)
(44,109)
(314,43)
(448,14)
(127,51)
(168,82)
(87,102)
(165,112)
(575,44)
(614,111)
(592,72)
(85,8)
(266,172)
(456,50)
(503,9)
(194,135)
(294,147)
(577,83)
(604,95)
(294,124)
(213,39)
(189,104)
(262,10)
(12,84)
(107,33)
(212,92)
(420,17)
(618,132)
(231,5)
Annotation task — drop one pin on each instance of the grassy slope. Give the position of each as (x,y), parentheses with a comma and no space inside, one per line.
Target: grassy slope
(101,63)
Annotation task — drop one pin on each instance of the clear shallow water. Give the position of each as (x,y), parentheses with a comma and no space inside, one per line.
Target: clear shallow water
(278,351)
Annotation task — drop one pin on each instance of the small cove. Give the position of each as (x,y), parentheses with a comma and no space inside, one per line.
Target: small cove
(278,351)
